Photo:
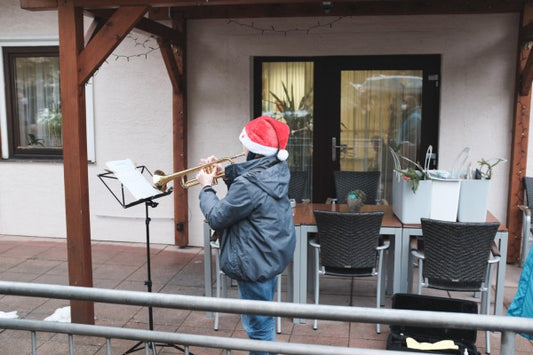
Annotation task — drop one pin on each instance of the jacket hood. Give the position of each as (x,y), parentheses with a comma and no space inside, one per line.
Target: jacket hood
(268,173)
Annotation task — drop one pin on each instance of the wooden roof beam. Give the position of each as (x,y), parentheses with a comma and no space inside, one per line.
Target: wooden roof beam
(339,7)
(526,33)
(95,26)
(169,58)
(107,39)
(39,5)
(145,25)
(526,77)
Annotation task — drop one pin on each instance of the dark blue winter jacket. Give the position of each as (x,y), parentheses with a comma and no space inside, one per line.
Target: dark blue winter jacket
(254,218)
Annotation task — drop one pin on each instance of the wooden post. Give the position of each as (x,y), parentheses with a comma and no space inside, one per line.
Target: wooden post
(174,58)
(519,144)
(75,157)
(76,65)
(179,118)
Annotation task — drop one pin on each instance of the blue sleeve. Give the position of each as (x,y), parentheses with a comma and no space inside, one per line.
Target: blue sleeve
(522,304)
(235,206)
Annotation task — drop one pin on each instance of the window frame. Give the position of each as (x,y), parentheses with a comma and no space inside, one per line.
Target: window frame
(10,54)
(7,121)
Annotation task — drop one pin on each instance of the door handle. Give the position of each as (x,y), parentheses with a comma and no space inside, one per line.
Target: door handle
(334,147)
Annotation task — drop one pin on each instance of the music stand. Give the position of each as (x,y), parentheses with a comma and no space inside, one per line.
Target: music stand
(134,187)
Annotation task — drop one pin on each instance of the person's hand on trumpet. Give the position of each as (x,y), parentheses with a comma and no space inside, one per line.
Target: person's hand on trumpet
(205,176)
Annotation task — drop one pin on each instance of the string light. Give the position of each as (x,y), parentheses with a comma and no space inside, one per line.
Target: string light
(145,45)
(284,32)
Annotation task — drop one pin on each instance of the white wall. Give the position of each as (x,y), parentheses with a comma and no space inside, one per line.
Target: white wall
(133,106)
(478,66)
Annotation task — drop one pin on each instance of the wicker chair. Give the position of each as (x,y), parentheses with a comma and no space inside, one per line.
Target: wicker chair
(348,246)
(368,181)
(297,185)
(527,231)
(221,286)
(458,256)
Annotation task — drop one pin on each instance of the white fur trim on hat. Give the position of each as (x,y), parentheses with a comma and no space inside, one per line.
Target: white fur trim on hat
(256,147)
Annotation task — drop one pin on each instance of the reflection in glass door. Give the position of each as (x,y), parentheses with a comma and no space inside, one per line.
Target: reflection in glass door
(287,95)
(345,112)
(378,109)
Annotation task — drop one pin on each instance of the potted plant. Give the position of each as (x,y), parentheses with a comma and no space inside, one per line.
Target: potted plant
(413,175)
(474,194)
(355,200)
(411,190)
(485,168)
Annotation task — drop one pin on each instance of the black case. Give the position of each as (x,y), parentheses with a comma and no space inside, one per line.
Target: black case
(464,338)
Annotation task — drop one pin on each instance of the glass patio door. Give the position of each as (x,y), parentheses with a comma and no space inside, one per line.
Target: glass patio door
(378,109)
(346,113)
(368,105)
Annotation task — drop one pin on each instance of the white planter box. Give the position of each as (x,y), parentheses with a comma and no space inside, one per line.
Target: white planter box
(407,205)
(473,201)
(444,199)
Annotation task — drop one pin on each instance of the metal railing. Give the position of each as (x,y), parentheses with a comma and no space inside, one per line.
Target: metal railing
(508,326)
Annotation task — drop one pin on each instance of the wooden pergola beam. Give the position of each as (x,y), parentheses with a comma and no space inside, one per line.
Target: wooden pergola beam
(519,147)
(107,39)
(526,77)
(174,59)
(526,33)
(145,25)
(77,64)
(171,63)
(93,29)
(281,8)
(71,41)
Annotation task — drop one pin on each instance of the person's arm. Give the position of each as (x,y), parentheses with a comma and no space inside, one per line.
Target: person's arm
(235,206)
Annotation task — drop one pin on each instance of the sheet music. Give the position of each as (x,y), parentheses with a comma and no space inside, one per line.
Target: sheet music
(132,179)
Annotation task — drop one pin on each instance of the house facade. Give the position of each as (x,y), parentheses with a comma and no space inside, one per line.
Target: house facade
(129,105)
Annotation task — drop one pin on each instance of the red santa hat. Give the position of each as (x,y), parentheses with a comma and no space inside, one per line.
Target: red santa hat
(266,136)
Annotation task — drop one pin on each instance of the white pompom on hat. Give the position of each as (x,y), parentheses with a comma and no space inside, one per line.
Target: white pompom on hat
(266,136)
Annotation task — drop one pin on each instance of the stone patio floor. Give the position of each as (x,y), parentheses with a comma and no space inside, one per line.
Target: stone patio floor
(176,271)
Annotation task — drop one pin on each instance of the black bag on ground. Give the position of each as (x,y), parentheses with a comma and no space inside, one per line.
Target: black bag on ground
(465,339)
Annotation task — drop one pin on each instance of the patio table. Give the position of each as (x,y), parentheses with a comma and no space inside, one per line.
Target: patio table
(304,223)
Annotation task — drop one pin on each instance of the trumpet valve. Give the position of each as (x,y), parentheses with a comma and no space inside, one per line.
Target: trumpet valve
(208,169)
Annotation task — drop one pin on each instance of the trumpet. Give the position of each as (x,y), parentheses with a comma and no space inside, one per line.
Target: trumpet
(161,180)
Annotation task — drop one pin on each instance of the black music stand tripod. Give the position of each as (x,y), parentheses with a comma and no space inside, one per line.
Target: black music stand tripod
(148,203)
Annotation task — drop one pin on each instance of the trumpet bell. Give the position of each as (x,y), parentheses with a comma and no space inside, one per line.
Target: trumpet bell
(159,181)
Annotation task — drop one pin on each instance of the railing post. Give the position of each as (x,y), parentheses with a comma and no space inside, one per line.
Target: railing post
(508,340)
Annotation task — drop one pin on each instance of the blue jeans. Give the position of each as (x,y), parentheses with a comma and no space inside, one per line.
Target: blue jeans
(258,327)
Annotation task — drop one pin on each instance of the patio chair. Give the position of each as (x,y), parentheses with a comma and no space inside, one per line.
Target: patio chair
(348,245)
(527,231)
(368,181)
(220,285)
(297,185)
(458,256)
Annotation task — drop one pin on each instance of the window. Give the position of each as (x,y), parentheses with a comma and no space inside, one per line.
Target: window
(33,101)
(30,101)
(345,112)
(287,95)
